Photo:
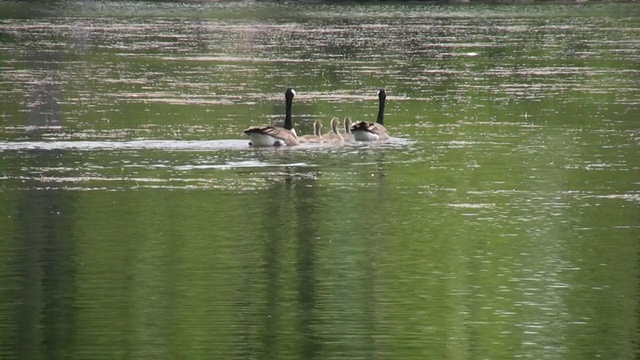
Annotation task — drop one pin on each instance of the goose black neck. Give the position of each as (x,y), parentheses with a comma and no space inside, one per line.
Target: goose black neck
(288,123)
(382,96)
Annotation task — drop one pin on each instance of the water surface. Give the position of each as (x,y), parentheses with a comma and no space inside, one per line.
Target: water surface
(501,221)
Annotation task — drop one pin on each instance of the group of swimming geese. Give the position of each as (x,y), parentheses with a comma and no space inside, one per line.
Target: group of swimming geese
(286,136)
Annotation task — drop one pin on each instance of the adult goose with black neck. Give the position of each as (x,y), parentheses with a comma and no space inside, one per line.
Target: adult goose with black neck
(276,135)
(372,131)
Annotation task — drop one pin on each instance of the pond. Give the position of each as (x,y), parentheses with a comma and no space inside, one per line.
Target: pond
(501,220)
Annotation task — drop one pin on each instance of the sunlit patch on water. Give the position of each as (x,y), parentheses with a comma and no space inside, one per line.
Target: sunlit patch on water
(633,197)
(123,145)
(466,54)
(225,166)
(472,206)
(174,164)
(116,183)
(175,145)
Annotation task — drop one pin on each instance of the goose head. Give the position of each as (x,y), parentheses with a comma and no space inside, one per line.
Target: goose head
(289,94)
(382,94)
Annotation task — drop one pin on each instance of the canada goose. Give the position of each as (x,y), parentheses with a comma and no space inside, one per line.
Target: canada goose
(275,135)
(333,136)
(317,134)
(347,136)
(371,131)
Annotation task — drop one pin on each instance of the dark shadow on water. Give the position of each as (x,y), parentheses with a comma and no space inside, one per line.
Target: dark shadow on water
(44,265)
(290,232)
(44,93)
(307,215)
(380,216)
(290,222)
(278,221)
